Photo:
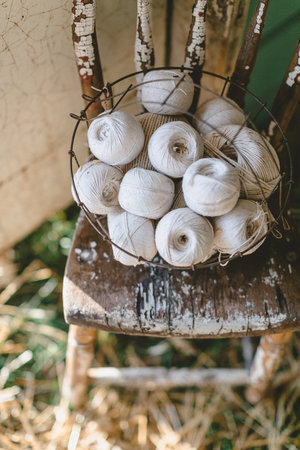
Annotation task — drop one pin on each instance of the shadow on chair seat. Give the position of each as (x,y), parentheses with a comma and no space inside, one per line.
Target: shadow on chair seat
(258,294)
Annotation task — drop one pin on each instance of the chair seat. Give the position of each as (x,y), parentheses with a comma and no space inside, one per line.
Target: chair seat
(254,295)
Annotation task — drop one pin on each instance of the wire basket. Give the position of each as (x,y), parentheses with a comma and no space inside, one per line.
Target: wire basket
(126,96)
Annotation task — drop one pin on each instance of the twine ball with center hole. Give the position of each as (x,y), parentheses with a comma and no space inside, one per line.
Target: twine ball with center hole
(240,228)
(116,138)
(251,154)
(217,112)
(146,193)
(164,86)
(211,187)
(173,147)
(132,233)
(184,238)
(97,185)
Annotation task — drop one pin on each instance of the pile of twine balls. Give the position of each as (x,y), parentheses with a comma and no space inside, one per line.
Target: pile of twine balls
(185,191)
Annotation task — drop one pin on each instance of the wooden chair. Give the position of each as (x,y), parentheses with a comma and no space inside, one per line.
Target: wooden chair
(258,295)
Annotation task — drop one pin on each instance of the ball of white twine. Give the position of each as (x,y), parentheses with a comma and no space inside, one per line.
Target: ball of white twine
(240,228)
(116,138)
(97,185)
(251,153)
(211,187)
(173,147)
(217,112)
(184,238)
(164,86)
(132,233)
(146,193)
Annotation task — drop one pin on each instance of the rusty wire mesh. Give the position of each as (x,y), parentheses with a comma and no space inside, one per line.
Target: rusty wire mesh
(121,98)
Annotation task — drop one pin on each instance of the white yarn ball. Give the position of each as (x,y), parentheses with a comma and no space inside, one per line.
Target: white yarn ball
(116,138)
(132,233)
(158,86)
(217,112)
(97,185)
(240,228)
(184,238)
(211,187)
(173,147)
(252,154)
(146,193)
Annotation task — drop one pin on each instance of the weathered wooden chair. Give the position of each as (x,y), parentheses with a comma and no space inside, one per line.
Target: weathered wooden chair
(258,295)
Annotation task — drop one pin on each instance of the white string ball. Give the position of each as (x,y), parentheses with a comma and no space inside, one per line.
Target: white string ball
(211,187)
(173,147)
(252,154)
(157,87)
(240,228)
(132,233)
(217,112)
(116,138)
(184,238)
(97,185)
(146,193)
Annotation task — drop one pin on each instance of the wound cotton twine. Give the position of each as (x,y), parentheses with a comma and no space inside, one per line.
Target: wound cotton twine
(184,238)
(217,112)
(132,233)
(157,89)
(116,138)
(146,193)
(240,228)
(211,187)
(173,147)
(97,185)
(251,154)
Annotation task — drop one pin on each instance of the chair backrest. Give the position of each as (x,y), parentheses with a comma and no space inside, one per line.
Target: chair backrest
(89,66)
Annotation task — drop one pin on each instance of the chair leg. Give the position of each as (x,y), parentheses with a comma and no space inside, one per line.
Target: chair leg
(80,353)
(265,364)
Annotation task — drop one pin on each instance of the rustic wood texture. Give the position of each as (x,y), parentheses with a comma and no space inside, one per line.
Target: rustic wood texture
(258,294)
(266,362)
(195,46)
(144,52)
(152,378)
(86,50)
(247,56)
(287,98)
(224,29)
(80,354)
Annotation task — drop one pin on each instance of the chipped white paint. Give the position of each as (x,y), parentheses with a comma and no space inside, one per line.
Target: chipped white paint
(247,67)
(84,28)
(271,128)
(294,75)
(153,377)
(290,269)
(195,52)
(259,18)
(272,279)
(144,46)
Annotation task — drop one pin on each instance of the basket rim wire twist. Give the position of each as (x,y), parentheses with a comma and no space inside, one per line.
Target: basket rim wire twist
(215,259)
